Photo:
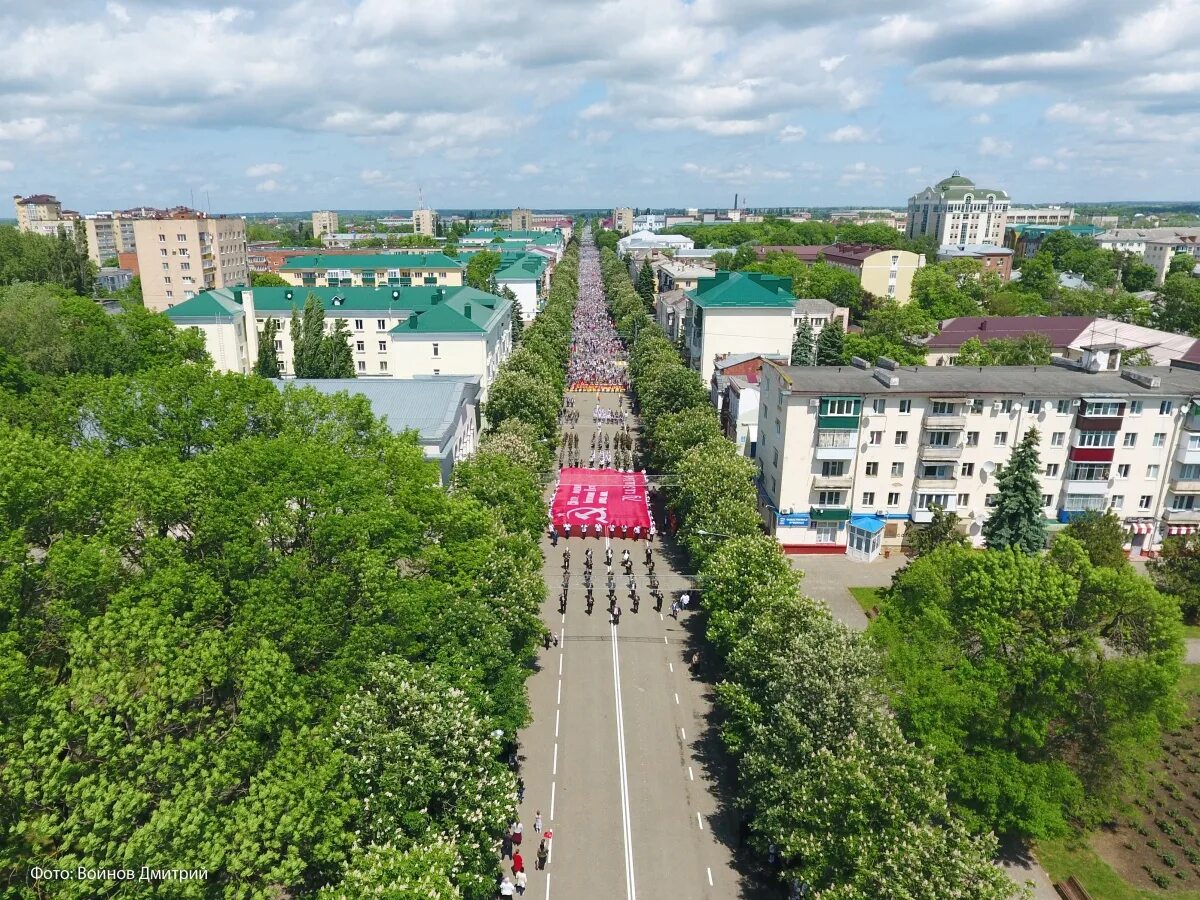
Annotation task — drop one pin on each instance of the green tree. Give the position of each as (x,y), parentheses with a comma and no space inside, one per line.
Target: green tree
(936,291)
(267,364)
(267,279)
(1176,572)
(803,345)
(942,530)
(1017,519)
(1028,350)
(1138,276)
(830,344)
(1040,684)
(481,266)
(1102,535)
(1182,264)
(338,360)
(645,284)
(1038,277)
(315,353)
(1178,307)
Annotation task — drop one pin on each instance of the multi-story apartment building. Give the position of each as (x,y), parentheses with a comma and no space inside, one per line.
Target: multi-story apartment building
(850,456)
(1158,254)
(398,332)
(1043,215)
(737,313)
(521,220)
(880,271)
(425,221)
(373,270)
(1135,240)
(622,219)
(324,222)
(183,253)
(1026,240)
(956,211)
(43,214)
(991,258)
(527,275)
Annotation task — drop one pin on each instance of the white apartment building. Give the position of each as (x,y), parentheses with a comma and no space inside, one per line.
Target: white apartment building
(1158,254)
(1135,240)
(324,222)
(373,270)
(849,457)
(425,221)
(183,254)
(109,234)
(1040,215)
(734,313)
(411,332)
(956,211)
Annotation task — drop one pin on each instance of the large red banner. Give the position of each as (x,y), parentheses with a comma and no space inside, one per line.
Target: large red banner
(604,496)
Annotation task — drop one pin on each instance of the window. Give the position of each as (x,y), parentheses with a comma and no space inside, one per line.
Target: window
(840,407)
(1035,406)
(1123,470)
(775,456)
(1064,407)
(833,468)
(1051,470)
(778,430)
(1183,501)
(170,294)
(1001,439)
(162,238)
(1058,438)
(162,252)
(872,469)
(941,439)
(897,470)
(435,353)
(1097,439)
(362,365)
(1107,410)
(1189,472)
(358,325)
(1116,501)
(1089,472)
(1144,501)
(1047,499)
(941,408)
(383,346)
(166,279)
(439,372)
(964,500)
(876,438)
(905,406)
(383,365)
(1160,438)
(829,498)
(894,498)
(187,279)
(1003,406)
(901,438)
(967,470)
(878,406)
(990,501)
(381,324)
(826,534)
(868,498)
(1164,408)
(1152,471)
(976,404)
(360,346)
(185,266)
(1135,407)
(181,238)
(1130,440)
(924,501)
(972,438)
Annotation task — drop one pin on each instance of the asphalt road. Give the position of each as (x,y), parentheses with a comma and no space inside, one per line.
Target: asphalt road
(621,758)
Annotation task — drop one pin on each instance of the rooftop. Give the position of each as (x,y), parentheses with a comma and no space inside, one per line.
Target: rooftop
(809,306)
(1147,234)
(1043,230)
(957,186)
(428,406)
(526,267)
(967,381)
(745,290)
(38,199)
(377,261)
(971,250)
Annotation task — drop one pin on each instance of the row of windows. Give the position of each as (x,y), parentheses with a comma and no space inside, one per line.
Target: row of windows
(1063,407)
(924,501)
(1000,439)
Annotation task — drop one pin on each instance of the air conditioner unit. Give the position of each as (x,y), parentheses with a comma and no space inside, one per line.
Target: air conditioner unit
(813,401)
(1074,404)
(996,405)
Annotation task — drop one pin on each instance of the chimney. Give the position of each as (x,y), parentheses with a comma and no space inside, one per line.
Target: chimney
(412,321)
(467,310)
(439,295)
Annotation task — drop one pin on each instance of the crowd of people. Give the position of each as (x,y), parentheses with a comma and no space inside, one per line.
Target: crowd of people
(597,354)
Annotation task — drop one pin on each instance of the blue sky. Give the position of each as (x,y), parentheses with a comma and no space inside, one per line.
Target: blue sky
(361,103)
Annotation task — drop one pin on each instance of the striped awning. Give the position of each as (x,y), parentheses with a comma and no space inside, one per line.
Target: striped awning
(1140,527)
(1182,529)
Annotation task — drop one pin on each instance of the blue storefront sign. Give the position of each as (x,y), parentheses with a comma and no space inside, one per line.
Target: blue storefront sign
(793,520)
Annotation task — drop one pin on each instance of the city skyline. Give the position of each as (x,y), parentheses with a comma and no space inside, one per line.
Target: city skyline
(669,103)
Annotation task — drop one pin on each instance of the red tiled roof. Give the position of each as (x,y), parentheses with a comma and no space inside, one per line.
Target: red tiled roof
(808,253)
(1059,330)
(845,253)
(1193,354)
(38,199)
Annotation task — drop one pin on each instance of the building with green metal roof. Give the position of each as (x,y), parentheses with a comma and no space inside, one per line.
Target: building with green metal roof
(373,270)
(957,211)
(401,332)
(1026,240)
(527,275)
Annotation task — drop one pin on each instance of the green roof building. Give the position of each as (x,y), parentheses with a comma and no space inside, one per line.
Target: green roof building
(374,270)
(738,313)
(958,212)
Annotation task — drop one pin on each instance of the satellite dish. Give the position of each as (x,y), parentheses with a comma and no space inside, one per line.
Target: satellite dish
(988,467)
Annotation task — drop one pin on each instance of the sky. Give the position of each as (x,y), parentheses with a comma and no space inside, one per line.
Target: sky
(267,105)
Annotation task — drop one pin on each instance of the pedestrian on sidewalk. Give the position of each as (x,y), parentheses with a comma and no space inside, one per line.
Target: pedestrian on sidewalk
(518,863)
(517,830)
(684,600)
(521,880)
(507,889)
(506,845)
(537,822)
(521,781)
(542,856)
(553,536)
(674,609)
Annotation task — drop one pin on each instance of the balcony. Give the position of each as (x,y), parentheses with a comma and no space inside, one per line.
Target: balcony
(836,444)
(1182,516)
(936,485)
(1190,422)
(833,482)
(939,452)
(1098,423)
(1091,454)
(830,513)
(1088,486)
(1188,456)
(925,516)
(940,422)
(1185,487)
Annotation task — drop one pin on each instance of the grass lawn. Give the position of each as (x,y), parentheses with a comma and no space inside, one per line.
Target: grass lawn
(1070,856)
(1191,631)
(868,597)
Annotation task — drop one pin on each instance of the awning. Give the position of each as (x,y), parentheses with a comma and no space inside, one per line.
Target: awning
(1182,529)
(869,524)
(1140,527)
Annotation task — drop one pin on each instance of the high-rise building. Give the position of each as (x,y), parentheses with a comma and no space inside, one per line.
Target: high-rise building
(43,214)
(183,252)
(956,211)
(324,222)
(425,221)
(109,234)
(622,219)
(521,220)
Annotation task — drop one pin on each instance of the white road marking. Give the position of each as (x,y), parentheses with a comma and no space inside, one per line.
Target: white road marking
(676,699)
(548,883)
(560,659)
(683,734)
(699,821)
(630,887)
(664,639)
(560,691)
(660,617)
(710,881)
(691,776)
(671,666)
(554,769)
(557,712)
(552,801)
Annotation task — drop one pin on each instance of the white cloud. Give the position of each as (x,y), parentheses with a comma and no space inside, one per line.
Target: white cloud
(792,134)
(981,119)
(990,146)
(861,173)
(739,174)
(118,12)
(372,176)
(263,169)
(831,63)
(267,186)
(530,169)
(850,134)
(27,129)
(6,165)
